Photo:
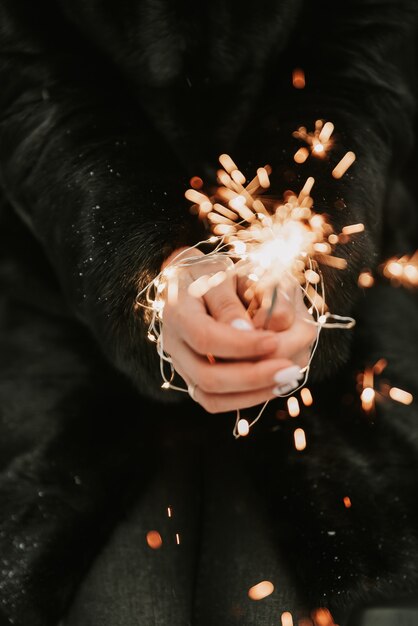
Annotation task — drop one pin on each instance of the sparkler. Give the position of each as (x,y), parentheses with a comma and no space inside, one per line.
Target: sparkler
(274,246)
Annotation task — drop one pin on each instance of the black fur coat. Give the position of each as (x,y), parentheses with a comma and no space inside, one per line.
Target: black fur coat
(106,110)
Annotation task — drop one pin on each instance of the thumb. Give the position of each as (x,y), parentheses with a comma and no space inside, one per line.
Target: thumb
(225,306)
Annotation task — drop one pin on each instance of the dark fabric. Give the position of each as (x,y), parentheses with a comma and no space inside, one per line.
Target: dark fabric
(256,509)
(105,113)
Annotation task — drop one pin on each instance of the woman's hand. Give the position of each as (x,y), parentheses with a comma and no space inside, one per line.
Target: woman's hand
(225,360)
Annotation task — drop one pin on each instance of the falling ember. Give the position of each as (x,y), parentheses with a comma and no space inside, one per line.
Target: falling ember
(293,406)
(367,398)
(261,590)
(243,427)
(169,511)
(402,271)
(154,539)
(287,619)
(301,155)
(319,141)
(300,439)
(399,395)
(365,280)
(323,617)
(196,182)
(379,366)
(177,539)
(306,396)
(263,177)
(341,168)
(298,78)
(347,502)
(352,229)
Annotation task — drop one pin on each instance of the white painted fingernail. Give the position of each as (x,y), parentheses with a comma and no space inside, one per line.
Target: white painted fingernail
(241,324)
(282,377)
(281,390)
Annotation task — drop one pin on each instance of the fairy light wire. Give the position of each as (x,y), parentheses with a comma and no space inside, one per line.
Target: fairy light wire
(268,243)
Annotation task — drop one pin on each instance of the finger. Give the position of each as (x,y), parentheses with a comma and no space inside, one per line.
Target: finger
(298,338)
(222,378)
(203,334)
(278,315)
(224,304)
(222,403)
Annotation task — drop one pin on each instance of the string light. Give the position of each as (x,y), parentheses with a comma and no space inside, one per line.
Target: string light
(274,245)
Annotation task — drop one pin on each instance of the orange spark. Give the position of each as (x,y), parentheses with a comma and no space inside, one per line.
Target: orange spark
(177,539)
(347,502)
(323,617)
(196,182)
(367,398)
(293,406)
(300,439)
(306,396)
(365,279)
(298,78)
(399,395)
(261,590)
(287,619)
(341,167)
(154,539)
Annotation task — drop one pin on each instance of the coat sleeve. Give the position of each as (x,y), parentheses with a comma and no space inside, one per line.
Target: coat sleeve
(91,178)
(358,60)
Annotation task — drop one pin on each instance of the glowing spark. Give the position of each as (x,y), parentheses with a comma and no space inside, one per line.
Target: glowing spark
(169,511)
(365,280)
(341,167)
(326,132)
(298,78)
(196,182)
(263,177)
(287,619)
(323,617)
(402,271)
(293,406)
(300,439)
(367,398)
(347,502)
(399,395)
(261,590)
(177,539)
(319,141)
(243,427)
(301,155)
(354,228)
(306,396)
(379,366)
(227,163)
(154,539)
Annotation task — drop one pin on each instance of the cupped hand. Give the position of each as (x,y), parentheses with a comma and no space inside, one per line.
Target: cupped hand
(287,315)
(214,346)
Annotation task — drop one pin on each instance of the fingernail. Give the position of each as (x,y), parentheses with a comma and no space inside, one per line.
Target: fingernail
(281,390)
(241,324)
(282,377)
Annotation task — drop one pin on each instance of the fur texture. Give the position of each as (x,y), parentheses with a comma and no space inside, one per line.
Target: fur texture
(105,113)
